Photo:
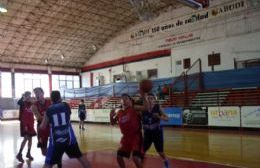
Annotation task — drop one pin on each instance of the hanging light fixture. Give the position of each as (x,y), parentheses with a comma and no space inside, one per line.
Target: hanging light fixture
(3,9)
(61,55)
(46,61)
(94,47)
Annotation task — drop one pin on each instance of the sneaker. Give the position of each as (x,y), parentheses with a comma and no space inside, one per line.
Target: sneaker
(166,164)
(28,155)
(19,157)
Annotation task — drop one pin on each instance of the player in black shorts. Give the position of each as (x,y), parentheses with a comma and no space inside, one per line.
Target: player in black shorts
(153,132)
(82,114)
(62,138)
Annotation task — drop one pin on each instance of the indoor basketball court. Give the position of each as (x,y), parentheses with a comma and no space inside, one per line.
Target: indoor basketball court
(189,148)
(191,66)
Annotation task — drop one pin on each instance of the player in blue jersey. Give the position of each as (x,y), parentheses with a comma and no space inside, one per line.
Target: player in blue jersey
(153,132)
(62,138)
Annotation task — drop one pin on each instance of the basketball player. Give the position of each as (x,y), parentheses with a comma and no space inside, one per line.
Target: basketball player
(81,114)
(129,122)
(39,108)
(26,125)
(62,137)
(153,132)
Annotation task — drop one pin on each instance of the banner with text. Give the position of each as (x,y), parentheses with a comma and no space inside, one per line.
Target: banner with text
(177,24)
(195,116)
(250,116)
(174,114)
(9,114)
(224,116)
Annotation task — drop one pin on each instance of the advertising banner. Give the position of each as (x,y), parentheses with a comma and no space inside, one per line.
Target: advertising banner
(10,114)
(74,115)
(195,116)
(90,115)
(174,114)
(224,116)
(102,115)
(250,116)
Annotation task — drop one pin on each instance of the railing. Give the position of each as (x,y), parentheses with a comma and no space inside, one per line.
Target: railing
(188,81)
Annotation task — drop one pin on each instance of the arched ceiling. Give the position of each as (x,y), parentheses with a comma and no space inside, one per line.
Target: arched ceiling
(41,32)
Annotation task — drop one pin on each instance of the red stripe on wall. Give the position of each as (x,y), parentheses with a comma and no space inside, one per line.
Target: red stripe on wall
(5,69)
(123,60)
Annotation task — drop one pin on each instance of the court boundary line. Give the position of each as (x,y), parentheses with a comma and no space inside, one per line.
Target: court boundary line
(197,160)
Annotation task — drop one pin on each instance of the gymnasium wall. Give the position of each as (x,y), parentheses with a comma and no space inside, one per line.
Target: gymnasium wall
(228,27)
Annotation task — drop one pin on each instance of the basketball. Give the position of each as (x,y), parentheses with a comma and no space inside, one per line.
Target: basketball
(145,86)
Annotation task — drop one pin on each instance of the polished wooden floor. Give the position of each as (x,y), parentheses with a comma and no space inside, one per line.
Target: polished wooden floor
(185,148)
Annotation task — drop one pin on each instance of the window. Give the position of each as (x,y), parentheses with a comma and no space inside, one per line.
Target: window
(28,81)
(69,84)
(65,82)
(117,78)
(214,59)
(178,62)
(55,82)
(186,63)
(6,84)
(247,63)
(152,73)
(76,82)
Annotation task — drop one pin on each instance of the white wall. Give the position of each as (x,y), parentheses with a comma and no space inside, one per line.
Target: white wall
(233,33)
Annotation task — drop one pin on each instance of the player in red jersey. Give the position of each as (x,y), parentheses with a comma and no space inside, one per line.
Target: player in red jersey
(39,108)
(129,122)
(26,125)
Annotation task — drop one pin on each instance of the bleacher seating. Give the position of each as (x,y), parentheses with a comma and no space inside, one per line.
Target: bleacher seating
(73,103)
(179,99)
(112,102)
(96,102)
(231,97)
(207,99)
(227,97)
(243,97)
